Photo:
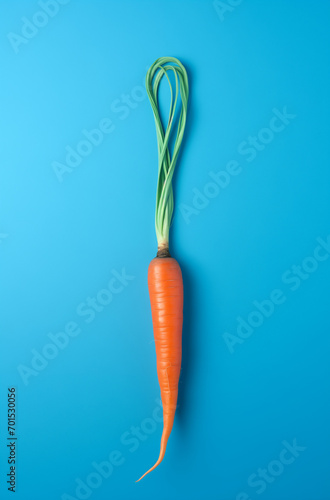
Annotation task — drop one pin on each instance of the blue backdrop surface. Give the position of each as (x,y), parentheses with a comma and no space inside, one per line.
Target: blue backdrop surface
(251,232)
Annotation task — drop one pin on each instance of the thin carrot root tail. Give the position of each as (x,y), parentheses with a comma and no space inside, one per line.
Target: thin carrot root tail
(160,458)
(166,434)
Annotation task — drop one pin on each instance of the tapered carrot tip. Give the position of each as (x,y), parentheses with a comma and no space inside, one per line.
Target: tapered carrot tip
(168,423)
(152,468)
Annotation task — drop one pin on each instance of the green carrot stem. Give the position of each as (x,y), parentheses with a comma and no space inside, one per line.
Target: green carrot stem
(166,163)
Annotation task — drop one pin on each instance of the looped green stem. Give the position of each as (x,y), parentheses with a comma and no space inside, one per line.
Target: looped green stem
(166,163)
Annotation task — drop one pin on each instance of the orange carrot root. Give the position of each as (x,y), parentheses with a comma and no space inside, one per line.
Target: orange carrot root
(166,298)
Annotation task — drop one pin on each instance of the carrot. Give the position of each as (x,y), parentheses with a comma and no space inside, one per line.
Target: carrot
(164,273)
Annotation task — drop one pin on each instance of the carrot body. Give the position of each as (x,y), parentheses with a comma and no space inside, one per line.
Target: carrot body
(166,298)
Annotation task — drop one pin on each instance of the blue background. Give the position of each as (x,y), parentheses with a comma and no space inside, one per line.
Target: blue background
(60,242)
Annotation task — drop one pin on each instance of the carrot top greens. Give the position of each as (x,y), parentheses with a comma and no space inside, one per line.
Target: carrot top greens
(166,162)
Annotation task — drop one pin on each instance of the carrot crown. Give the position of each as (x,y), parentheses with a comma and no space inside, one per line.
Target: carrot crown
(167,162)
